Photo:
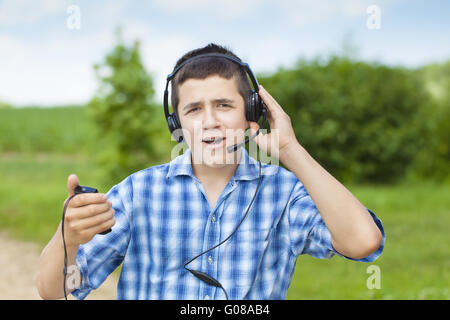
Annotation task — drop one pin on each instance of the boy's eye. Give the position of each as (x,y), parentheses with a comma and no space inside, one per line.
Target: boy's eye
(222,105)
(190,110)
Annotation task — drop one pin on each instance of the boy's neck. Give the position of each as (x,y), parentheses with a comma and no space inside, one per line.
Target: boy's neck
(209,175)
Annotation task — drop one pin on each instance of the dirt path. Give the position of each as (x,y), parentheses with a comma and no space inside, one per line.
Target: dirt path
(18,270)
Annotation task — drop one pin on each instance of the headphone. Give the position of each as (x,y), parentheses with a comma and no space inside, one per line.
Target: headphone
(254,106)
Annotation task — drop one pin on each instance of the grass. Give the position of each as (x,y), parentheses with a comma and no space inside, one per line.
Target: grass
(56,129)
(33,190)
(415,263)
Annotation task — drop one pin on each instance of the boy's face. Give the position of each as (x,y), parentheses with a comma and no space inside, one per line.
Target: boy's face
(212,108)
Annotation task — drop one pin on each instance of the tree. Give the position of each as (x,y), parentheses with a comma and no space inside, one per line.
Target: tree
(127,121)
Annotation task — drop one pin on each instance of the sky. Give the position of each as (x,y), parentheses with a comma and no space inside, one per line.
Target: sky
(48,47)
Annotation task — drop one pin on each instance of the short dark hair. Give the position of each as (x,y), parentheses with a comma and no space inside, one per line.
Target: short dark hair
(206,66)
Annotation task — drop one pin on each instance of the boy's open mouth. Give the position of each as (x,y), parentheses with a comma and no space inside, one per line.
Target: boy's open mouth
(213,140)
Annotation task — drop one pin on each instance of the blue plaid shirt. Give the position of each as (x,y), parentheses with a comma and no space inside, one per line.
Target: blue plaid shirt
(163,219)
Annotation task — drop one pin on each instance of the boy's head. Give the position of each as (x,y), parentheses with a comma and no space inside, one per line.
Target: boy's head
(208,97)
(204,67)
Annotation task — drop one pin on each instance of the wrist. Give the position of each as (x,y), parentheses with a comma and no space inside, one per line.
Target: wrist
(289,151)
(71,246)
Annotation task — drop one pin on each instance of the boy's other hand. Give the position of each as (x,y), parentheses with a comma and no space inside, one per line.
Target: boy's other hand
(86,215)
(282,135)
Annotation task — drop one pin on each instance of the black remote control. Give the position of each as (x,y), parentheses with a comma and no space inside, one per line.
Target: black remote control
(84,189)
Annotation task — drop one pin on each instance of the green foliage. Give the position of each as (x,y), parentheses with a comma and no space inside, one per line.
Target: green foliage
(362,121)
(433,161)
(437,79)
(127,121)
(46,130)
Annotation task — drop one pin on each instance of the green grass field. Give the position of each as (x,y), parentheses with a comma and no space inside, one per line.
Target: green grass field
(57,129)
(415,263)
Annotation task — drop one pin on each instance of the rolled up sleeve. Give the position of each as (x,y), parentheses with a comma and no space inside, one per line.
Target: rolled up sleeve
(309,234)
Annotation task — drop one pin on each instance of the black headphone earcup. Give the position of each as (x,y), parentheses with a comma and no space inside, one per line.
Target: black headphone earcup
(174,125)
(253,107)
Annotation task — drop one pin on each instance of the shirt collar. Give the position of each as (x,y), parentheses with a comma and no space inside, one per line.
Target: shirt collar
(248,168)
(181,165)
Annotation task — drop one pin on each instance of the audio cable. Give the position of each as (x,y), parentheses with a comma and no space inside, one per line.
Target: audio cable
(204,276)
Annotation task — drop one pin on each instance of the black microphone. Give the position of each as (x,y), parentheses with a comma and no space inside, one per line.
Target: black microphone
(234,147)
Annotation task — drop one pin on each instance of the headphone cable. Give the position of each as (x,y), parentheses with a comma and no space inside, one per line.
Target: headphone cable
(204,276)
(64,243)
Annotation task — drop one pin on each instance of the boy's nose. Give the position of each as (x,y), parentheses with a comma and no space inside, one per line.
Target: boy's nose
(210,119)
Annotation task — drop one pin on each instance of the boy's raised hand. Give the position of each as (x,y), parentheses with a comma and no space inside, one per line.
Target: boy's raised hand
(281,135)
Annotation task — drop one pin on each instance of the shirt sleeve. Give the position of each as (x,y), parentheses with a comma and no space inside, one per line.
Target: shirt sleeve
(98,258)
(309,234)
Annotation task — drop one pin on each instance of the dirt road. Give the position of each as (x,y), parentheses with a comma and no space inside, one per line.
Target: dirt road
(19,263)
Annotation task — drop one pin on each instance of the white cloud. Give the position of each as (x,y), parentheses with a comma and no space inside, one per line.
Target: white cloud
(14,12)
(12,53)
(220,8)
(52,71)
(43,78)
(159,55)
(58,69)
(306,12)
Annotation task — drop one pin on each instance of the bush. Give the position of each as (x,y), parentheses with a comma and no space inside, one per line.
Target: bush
(433,161)
(362,122)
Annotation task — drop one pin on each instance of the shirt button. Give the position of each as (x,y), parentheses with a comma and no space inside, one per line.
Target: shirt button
(213,218)
(206,297)
(210,259)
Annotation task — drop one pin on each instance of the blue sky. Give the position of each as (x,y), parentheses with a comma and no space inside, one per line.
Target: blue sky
(44,62)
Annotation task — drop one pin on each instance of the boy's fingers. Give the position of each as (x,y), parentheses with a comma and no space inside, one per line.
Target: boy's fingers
(87,198)
(96,220)
(271,103)
(72,183)
(90,211)
(254,126)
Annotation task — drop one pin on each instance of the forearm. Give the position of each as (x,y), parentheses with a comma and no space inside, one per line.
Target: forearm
(354,233)
(51,264)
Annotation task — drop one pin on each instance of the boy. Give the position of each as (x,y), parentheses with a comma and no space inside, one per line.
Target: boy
(163,216)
